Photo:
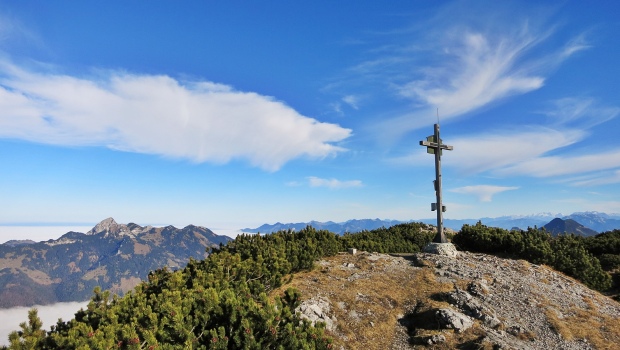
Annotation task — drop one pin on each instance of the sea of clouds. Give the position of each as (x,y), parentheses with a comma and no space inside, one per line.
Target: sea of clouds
(37,233)
(49,315)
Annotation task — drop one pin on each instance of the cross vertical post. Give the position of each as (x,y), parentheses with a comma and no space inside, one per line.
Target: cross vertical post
(434,146)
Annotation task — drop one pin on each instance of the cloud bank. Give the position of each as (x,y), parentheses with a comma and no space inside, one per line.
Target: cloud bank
(200,121)
(49,315)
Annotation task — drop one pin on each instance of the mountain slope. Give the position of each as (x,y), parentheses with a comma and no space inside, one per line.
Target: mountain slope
(599,222)
(558,226)
(111,255)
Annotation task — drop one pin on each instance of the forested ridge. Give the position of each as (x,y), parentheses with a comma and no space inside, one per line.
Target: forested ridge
(224,301)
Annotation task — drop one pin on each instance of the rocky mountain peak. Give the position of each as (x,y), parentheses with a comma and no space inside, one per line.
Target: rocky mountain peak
(109,227)
(105,225)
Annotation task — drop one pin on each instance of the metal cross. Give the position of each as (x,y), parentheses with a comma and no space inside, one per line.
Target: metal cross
(434,146)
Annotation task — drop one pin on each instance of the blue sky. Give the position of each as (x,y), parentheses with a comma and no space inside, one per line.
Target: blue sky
(233,114)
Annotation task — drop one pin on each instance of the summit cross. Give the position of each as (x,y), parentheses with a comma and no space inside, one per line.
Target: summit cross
(434,146)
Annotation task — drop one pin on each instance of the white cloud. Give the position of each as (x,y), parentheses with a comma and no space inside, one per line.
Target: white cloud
(479,71)
(484,193)
(336,107)
(576,44)
(352,101)
(333,183)
(524,154)
(198,121)
(582,112)
(467,63)
(598,178)
(526,151)
(565,165)
(502,150)
(14,32)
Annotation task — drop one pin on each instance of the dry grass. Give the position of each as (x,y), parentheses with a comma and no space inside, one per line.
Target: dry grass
(523,265)
(371,299)
(10,261)
(602,331)
(139,248)
(125,284)
(99,271)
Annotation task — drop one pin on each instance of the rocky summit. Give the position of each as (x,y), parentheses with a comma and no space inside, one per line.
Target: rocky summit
(111,255)
(471,301)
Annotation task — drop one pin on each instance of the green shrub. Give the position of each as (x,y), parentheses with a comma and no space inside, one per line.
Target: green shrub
(217,303)
(565,253)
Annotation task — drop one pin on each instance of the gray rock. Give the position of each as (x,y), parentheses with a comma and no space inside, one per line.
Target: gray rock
(490,321)
(449,318)
(478,288)
(447,249)
(466,302)
(515,330)
(317,310)
(435,339)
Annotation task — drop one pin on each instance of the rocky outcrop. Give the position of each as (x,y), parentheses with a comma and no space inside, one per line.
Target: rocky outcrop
(317,310)
(519,305)
(451,319)
(477,301)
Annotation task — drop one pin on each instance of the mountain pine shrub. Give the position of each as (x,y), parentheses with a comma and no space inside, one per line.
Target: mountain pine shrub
(565,253)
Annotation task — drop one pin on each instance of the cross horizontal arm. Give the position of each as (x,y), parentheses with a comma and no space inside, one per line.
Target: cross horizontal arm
(435,145)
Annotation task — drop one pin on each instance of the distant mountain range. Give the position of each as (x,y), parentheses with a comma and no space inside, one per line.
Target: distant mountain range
(340,228)
(596,221)
(111,255)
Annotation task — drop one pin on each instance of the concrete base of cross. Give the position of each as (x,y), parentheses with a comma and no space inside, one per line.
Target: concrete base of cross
(447,249)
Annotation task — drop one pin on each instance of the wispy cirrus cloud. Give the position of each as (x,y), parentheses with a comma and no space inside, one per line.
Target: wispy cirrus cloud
(527,153)
(541,151)
(484,193)
(596,178)
(495,151)
(475,70)
(581,112)
(333,183)
(200,121)
(550,166)
(460,63)
(352,101)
